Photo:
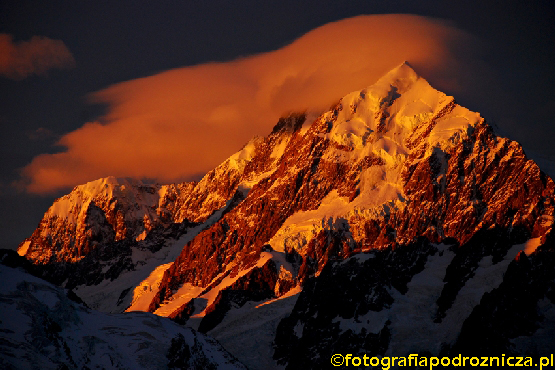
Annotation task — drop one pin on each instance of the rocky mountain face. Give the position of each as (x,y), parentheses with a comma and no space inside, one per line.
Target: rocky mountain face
(120,229)
(396,222)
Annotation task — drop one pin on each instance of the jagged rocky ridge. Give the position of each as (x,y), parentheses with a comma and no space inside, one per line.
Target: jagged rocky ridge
(107,228)
(397,211)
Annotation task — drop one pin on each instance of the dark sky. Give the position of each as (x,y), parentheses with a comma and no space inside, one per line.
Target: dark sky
(116,41)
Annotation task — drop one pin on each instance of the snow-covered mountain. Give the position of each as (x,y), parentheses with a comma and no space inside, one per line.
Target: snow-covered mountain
(106,237)
(396,222)
(42,328)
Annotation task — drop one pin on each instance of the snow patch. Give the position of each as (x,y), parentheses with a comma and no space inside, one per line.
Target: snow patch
(240,159)
(531,245)
(23,248)
(147,289)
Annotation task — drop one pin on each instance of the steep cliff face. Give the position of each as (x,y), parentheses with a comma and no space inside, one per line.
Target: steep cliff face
(393,212)
(100,212)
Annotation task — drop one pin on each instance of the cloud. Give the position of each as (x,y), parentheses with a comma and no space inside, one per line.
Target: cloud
(185,121)
(36,56)
(41,134)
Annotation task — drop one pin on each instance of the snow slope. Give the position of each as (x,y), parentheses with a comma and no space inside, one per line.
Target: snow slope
(42,328)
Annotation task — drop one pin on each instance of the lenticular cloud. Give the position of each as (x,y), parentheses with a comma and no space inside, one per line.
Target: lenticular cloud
(185,121)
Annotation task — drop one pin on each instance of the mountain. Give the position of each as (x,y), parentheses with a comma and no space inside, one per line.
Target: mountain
(395,222)
(41,326)
(107,236)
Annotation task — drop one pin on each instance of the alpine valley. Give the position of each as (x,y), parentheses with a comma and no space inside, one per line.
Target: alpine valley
(395,222)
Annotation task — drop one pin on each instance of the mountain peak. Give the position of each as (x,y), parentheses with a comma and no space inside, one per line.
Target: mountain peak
(403,69)
(110,181)
(401,77)
(400,111)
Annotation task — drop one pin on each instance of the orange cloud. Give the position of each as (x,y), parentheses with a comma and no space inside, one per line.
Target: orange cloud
(185,121)
(36,56)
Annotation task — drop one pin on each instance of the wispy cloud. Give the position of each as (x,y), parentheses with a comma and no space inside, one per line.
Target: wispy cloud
(185,121)
(41,134)
(19,60)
